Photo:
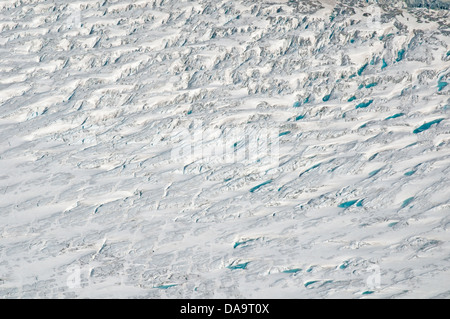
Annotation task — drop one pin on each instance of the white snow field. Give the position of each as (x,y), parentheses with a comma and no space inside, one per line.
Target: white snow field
(224,149)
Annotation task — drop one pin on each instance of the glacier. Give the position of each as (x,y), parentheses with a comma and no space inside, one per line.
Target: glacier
(224,149)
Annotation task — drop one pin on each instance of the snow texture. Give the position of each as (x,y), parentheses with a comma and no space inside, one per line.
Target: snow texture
(224,149)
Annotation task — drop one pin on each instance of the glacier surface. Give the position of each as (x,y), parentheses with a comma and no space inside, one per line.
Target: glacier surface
(224,149)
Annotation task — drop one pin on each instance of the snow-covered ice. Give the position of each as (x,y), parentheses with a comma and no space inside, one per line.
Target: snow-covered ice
(224,149)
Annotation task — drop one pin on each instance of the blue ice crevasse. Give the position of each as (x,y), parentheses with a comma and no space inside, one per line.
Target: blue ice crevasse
(238,266)
(409,173)
(348,204)
(361,70)
(292,271)
(400,55)
(165,286)
(441,84)
(364,104)
(310,169)
(406,202)
(426,126)
(394,116)
(375,172)
(309,283)
(370,85)
(239,243)
(260,185)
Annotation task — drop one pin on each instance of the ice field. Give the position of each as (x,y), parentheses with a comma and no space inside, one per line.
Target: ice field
(224,149)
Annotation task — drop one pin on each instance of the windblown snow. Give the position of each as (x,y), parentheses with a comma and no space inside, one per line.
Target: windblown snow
(224,149)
